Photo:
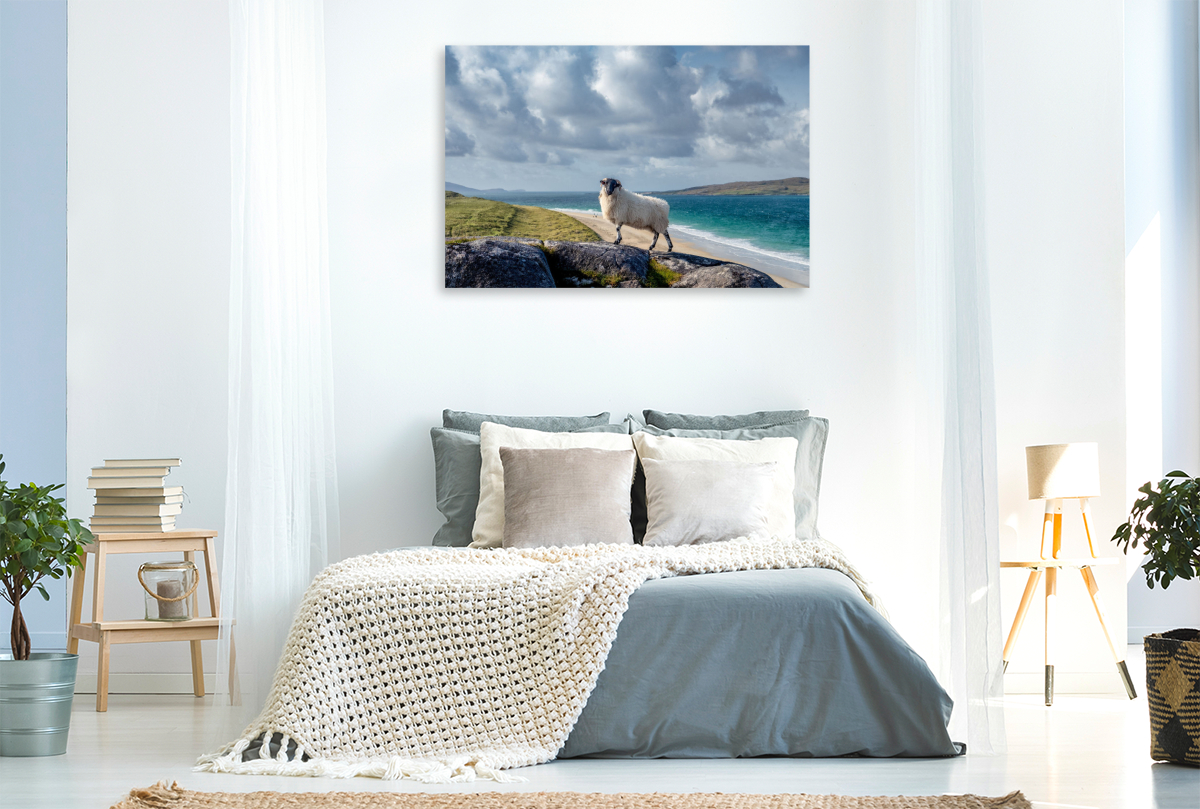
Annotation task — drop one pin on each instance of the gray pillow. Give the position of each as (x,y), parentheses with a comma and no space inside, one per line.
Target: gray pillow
(565,497)
(695,501)
(463,420)
(684,421)
(456,464)
(811,433)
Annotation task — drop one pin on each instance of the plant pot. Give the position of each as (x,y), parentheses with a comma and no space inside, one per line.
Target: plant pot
(35,703)
(1173,693)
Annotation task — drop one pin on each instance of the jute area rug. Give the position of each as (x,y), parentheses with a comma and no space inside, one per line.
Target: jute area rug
(162,796)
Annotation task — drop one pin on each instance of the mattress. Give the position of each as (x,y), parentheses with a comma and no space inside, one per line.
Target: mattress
(760,663)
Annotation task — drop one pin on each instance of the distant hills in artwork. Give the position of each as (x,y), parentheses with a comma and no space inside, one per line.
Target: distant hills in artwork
(787,187)
(462,189)
(790,187)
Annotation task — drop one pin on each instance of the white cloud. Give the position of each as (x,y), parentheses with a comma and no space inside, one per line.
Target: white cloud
(628,108)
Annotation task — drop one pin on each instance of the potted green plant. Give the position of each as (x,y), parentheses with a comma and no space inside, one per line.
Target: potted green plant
(1165,521)
(36,688)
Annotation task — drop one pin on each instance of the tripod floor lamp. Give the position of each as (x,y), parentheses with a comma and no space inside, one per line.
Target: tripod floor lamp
(1059,472)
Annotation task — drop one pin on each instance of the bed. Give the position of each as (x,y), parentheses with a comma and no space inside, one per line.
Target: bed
(572,641)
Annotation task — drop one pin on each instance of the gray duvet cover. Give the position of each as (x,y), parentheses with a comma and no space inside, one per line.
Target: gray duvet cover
(760,663)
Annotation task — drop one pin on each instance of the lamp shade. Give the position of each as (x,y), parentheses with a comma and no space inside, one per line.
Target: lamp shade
(1063,470)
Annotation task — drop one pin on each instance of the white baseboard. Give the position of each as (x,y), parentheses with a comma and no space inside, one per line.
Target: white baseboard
(1136,633)
(123,682)
(144,683)
(1065,682)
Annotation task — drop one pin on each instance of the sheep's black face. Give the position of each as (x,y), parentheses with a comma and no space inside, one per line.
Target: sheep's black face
(608,186)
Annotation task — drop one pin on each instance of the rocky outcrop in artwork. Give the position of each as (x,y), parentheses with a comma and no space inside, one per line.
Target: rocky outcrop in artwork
(497,262)
(500,261)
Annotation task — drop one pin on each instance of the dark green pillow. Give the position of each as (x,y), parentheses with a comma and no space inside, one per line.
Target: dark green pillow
(684,421)
(463,420)
(456,464)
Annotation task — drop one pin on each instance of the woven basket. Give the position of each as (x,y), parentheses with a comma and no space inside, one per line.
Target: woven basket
(1173,691)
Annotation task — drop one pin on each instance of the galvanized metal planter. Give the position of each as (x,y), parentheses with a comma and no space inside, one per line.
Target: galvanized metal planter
(35,703)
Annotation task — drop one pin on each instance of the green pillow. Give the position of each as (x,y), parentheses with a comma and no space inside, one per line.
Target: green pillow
(463,420)
(684,421)
(811,433)
(456,464)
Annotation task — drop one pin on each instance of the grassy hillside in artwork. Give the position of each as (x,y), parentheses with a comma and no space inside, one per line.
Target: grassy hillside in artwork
(472,218)
(788,187)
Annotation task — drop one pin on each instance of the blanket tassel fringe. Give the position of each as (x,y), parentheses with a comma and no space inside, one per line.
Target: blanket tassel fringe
(452,770)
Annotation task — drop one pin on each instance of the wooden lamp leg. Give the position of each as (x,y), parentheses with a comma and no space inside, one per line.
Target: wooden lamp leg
(1057,506)
(1048,517)
(1093,588)
(1054,506)
(1086,511)
(1051,605)
(1053,516)
(1035,576)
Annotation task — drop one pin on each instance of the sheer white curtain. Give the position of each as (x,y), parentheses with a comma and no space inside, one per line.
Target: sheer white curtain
(957,428)
(281,508)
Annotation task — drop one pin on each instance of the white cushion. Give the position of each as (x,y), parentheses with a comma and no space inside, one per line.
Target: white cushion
(489,514)
(781,517)
(691,502)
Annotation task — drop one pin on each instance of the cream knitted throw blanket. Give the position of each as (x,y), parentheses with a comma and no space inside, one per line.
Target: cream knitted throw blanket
(447,666)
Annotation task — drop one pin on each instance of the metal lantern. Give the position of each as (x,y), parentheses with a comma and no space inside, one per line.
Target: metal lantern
(169,587)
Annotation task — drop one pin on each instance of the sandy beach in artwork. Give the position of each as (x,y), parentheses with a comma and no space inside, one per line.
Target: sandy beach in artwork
(642,238)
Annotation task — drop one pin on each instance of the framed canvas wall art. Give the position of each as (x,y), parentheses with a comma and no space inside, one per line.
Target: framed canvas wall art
(633,167)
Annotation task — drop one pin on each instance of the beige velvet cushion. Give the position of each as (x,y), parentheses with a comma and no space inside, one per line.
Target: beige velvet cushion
(488,531)
(566,496)
(781,514)
(690,502)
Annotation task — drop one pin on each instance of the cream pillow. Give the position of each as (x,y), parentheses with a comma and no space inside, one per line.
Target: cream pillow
(690,502)
(781,515)
(489,514)
(566,497)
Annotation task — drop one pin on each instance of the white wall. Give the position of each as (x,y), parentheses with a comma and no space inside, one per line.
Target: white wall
(148,248)
(1162,240)
(405,347)
(1056,252)
(144,93)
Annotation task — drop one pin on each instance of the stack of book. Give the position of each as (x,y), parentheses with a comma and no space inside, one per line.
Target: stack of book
(132,496)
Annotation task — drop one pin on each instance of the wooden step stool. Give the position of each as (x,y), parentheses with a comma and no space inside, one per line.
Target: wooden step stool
(106,633)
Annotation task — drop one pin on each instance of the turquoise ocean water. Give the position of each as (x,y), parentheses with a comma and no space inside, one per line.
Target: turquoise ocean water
(768,233)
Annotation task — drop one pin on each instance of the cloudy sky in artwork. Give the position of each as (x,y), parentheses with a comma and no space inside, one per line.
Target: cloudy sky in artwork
(658,118)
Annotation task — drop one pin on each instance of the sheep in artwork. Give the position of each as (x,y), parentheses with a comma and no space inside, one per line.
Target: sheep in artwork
(623,207)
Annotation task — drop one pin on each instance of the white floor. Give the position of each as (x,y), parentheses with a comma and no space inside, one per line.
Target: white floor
(1082,752)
